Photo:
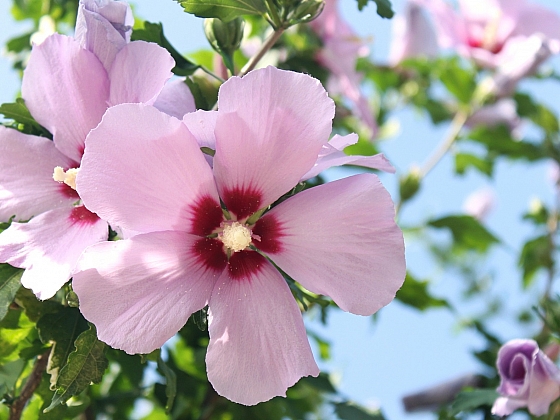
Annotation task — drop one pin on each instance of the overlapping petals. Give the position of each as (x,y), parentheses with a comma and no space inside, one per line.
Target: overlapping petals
(268,132)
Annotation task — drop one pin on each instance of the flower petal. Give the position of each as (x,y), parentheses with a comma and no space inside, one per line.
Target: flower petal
(340,239)
(175,99)
(66,89)
(150,178)
(258,344)
(332,155)
(103,29)
(26,168)
(49,246)
(139,72)
(140,291)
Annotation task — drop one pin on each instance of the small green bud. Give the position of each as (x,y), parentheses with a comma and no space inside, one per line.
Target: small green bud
(409,185)
(224,37)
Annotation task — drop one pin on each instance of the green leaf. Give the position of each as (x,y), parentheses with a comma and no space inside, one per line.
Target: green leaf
(415,293)
(384,8)
(85,365)
(34,308)
(498,140)
(536,254)
(469,400)
(18,112)
(153,32)
(9,374)
(467,232)
(321,383)
(409,185)
(464,161)
(460,82)
(9,285)
(61,328)
(14,329)
(170,383)
(350,411)
(225,10)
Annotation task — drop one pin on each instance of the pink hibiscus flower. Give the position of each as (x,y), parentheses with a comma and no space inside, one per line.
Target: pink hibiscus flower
(337,239)
(482,28)
(67,86)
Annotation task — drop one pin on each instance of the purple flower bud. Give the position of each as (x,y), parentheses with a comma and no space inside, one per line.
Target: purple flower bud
(528,379)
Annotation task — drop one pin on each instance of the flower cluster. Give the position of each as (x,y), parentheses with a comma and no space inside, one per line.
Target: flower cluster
(199,229)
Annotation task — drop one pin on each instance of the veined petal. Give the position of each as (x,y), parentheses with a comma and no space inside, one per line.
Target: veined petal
(340,239)
(175,99)
(143,171)
(66,89)
(254,170)
(140,291)
(49,245)
(258,344)
(26,169)
(202,124)
(139,72)
(332,154)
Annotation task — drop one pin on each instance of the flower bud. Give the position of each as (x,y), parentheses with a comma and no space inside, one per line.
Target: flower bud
(224,37)
(307,10)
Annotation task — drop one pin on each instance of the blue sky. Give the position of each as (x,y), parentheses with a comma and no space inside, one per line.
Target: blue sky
(404,351)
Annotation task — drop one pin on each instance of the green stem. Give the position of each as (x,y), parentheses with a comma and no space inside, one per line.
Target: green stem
(267,45)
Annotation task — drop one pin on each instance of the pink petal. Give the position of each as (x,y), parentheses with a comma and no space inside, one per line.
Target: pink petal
(49,245)
(103,29)
(66,89)
(140,291)
(504,406)
(534,19)
(332,155)
(202,124)
(175,99)
(258,344)
(143,171)
(340,239)
(139,72)
(26,169)
(254,171)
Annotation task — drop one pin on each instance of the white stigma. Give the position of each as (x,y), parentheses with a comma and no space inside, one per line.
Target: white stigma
(68,177)
(236,237)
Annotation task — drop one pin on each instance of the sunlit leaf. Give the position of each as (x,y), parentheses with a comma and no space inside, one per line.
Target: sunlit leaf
(467,232)
(415,293)
(18,112)
(225,10)
(464,161)
(469,400)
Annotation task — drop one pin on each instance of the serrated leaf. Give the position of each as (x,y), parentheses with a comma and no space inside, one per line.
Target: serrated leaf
(415,293)
(153,32)
(464,161)
(85,365)
(170,383)
(536,254)
(384,7)
(60,328)
(225,10)
(18,112)
(9,285)
(468,233)
(350,411)
(469,400)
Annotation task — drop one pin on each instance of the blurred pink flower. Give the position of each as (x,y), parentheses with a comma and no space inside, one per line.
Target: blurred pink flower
(67,89)
(341,49)
(338,239)
(481,29)
(479,203)
(528,379)
(504,111)
(413,35)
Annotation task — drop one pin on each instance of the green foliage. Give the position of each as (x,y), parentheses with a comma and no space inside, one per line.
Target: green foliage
(9,285)
(384,7)
(409,185)
(16,333)
(458,80)
(471,399)
(225,10)
(415,294)
(153,32)
(536,254)
(468,233)
(9,374)
(464,161)
(498,142)
(170,382)
(349,411)
(86,364)
(18,112)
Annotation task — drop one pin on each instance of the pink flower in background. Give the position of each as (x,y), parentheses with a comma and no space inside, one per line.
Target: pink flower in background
(481,29)
(528,379)
(479,203)
(504,111)
(413,35)
(67,89)
(338,239)
(341,49)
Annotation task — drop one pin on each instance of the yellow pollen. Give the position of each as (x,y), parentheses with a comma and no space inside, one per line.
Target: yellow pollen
(236,237)
(68,177)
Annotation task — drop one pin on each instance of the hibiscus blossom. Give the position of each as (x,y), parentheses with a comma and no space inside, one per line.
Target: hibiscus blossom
(67,86)
(337,239)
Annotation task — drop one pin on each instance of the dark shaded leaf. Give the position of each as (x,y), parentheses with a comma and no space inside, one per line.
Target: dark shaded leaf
(464,161)
(9,374)
(170,383)
(85,365)
(18,112)
(384,7)
(467,232)
(415,293)
(349,411)
(321,383)
(9,285)
(225,10)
